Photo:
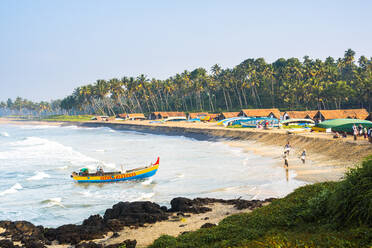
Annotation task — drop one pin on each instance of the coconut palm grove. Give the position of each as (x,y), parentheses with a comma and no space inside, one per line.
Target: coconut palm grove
(288,84)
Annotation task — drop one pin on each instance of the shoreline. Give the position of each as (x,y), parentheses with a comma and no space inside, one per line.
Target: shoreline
(326,157)
(322,165)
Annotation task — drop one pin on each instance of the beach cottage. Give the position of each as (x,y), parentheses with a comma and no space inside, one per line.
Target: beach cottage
(323,115)
(226,115)
(272,113)
(166,115)
(196,115)
(132,116)
(307,114)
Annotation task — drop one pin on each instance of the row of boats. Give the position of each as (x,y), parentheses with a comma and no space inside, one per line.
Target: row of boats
(266,122)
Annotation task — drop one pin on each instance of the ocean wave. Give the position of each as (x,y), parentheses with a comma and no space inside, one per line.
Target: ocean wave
(147,181)
(38,176)
(30,127)
(36,147)
(51,202)
(12,190)
(145,196)
(4,134)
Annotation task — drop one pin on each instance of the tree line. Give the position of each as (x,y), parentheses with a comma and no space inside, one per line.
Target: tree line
(288,84)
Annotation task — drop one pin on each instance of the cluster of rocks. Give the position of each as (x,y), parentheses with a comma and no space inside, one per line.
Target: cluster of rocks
(122,214)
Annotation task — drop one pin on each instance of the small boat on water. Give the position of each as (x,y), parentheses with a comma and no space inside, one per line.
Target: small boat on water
(106,177)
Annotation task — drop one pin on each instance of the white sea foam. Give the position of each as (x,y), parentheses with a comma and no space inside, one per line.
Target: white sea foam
(4,134)
(145,196)
(12,190)
(147,181)
(100,150)
(30,127)
(180,175)
(53,202)
(36,147)
(38,176)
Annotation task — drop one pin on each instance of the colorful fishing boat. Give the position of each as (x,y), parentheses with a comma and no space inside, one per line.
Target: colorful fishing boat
(261,121)
(107,177)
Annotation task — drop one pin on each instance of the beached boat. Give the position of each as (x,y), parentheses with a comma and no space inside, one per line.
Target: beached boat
(298,122)
(341,125)
(261,121)
(106,177)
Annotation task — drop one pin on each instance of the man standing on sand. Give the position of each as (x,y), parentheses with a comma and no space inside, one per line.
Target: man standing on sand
(303,156)
(287,148)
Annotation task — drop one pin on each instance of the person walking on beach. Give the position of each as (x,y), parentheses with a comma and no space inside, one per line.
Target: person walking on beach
(285,157)
(360,129)
(287,148)
(355,133)
(365,132)
(303,156)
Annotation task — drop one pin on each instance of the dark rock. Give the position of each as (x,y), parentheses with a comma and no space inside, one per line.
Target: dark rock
(206,218)
(128,244)
(115,235)
(33,244)
(136,213)
(182,204)
(73,234)
(93,220)
(5,243)
(89,245)
(114,225)
(208,225)
(183,225)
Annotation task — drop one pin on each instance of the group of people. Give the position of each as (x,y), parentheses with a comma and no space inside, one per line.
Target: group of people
(287,149)
(362,131)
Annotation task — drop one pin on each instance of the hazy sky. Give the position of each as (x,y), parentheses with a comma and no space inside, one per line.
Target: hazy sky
(47,48)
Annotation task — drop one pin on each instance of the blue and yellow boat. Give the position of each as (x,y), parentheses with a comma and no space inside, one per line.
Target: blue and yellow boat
(107,177)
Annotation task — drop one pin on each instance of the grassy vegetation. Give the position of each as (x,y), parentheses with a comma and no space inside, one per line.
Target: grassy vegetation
(331,214)
(77,118)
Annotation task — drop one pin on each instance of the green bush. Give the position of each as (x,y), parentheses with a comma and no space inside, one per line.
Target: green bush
(331,214)
(351,204)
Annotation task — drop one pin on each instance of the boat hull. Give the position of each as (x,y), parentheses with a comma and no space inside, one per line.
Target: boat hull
(131,175)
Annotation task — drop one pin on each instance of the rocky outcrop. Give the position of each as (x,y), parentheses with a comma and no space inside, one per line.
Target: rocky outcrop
(197,205)
(136,213)
(121,215)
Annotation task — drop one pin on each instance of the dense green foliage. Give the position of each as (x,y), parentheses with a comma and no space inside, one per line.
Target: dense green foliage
(288,84)
(21,106)
(333,214)
(285,84)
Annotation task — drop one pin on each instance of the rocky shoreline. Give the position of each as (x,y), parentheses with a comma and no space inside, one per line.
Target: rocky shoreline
(121,215)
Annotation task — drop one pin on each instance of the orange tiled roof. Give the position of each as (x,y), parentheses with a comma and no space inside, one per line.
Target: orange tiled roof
(170,114)
(301,114)
(344,113)
(136,115)
(261,112)
(195,115)
(230,114)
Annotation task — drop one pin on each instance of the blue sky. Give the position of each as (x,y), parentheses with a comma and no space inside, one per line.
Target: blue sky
(47,48)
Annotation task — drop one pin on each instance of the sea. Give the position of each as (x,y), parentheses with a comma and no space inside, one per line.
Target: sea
(36,162)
